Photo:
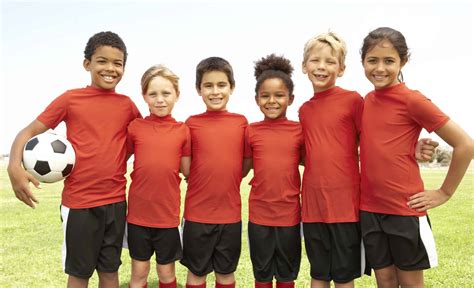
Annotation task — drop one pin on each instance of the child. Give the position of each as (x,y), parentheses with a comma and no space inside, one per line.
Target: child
(395,227)
(160,145)
(276,147)
(93,203)
(330,189)
(212,226)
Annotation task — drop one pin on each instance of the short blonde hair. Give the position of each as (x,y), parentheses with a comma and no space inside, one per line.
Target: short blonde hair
(331,39)
(159,71)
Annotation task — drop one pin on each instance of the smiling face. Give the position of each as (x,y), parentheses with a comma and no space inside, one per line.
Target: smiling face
(106,67)
(273,98)
(382,65)
(160,96)
(215,90)
(323,67)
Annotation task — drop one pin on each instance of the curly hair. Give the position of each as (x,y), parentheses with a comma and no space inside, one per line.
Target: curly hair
(105,39)
(271,67)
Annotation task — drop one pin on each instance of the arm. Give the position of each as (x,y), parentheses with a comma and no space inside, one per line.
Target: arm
(463,152)
(19,178)
(185,166)
(425,149)
(247,164)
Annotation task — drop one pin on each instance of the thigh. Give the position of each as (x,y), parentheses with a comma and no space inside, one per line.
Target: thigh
(83,234)
(262,245)
(167,245)
(199,240)
(375,241)
(228,247)
(345,251)
(412,245)
(288,253)
(139,242)
(317,241)
(111,250)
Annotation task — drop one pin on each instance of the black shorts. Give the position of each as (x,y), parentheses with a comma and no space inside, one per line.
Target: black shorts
(93,239)
(275,252)
(404,241)
(211,247)
(144,241)
(334,251)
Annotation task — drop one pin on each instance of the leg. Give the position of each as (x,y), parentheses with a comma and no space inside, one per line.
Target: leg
(75,282)
(410,279)
(319,283)
(225,279)
(108,280)
(140,270)
(349,284)
(166,273)
(386,277)
(194,279)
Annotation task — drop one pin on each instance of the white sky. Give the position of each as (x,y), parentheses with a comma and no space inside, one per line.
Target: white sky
(42,44)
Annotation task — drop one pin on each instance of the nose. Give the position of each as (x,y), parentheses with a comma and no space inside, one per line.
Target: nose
(271,99)
(215,89)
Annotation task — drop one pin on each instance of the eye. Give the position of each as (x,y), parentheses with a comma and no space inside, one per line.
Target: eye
(389,61)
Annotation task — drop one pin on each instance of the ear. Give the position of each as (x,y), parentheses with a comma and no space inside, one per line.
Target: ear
(402,63)
(292,97)
(232,90)
(256,99)
(198,90)
(177,96)
(341,71)
(86,63)
(303,68)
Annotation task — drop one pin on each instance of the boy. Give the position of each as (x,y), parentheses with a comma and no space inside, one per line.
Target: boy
(330,189)
(212,226)
(94,195)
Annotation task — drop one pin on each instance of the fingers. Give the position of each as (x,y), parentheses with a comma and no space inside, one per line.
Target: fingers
(27,197)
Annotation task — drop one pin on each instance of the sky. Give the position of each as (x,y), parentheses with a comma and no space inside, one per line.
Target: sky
(42,44)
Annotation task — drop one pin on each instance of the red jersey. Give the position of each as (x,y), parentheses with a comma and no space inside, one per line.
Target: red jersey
(391,124)
(158,144)
(331,125)
(96,121)
(213,194)
(276,147)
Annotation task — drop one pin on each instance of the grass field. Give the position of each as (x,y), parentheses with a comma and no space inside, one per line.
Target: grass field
(30,251)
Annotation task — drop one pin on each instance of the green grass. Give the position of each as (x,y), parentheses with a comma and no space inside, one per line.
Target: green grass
(31,239)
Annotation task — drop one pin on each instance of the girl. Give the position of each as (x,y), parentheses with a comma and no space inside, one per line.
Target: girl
(395,226)
(161,147)
(275,146)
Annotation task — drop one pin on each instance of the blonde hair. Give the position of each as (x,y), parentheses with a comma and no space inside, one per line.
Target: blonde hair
(331,39)
(159,71)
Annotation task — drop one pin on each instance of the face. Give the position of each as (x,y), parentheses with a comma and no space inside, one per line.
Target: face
(106,67)
(382,64)
(322,68)
(273,98)
(160,96)
(215,90)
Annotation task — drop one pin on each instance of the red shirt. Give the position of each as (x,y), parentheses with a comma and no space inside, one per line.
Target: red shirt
(331,124)
(158,144)
(276,147)
(391,124)
(213,194)
(96,122)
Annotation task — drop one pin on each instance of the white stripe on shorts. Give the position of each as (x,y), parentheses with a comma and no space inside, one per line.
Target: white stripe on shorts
(362,258)
(428,241)
(64,215)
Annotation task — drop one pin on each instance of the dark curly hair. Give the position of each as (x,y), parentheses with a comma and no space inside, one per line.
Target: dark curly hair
(105,39)
(271,67)
(214,64)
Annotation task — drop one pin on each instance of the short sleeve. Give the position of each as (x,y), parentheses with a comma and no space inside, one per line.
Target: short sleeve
(55,112)
(425,112)
(247,148)
(130,142)
(186,150)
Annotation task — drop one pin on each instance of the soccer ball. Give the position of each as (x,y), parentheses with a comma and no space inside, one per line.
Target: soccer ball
(49,157)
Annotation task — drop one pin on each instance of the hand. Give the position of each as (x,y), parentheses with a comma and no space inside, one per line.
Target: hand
(427,199)
(425,149)
(20,180)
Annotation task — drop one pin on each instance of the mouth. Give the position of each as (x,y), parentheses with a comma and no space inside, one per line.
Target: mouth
(215,100)
(379,77)
(108,78)
(272,109)
(320,77)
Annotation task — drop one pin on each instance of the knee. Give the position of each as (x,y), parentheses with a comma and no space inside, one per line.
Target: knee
(166,273)
(225,278)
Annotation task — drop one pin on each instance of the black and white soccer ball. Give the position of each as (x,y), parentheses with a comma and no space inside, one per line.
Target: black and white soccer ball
(49,157)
